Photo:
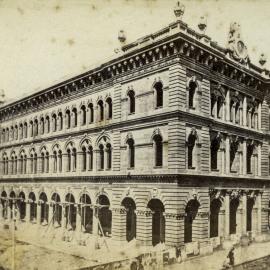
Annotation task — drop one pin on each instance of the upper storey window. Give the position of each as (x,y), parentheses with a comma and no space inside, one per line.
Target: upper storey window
(60,120)
(192,93)
(25,130)
(158,150)
(235,110)
(47,124)
(131,101)
(217,102)
(74,117)
(131,153)
(42,126)
(83,115)
(54,122)
(101,110)
(91,113)
(158,88)
(109,108)
(35,131)
(68,119)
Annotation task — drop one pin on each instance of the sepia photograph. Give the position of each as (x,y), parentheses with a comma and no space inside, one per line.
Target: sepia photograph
(134,135)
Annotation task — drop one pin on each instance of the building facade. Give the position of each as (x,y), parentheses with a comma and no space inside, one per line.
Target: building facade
(166,143)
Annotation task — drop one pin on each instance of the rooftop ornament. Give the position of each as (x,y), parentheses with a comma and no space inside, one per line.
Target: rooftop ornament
(236,48)
(202,24)
(179,10)
(2,96)
(122,37)
(263,59)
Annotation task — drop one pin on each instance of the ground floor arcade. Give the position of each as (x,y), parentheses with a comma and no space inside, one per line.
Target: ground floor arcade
(176,216)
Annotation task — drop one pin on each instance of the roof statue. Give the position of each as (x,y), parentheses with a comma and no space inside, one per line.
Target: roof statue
(236,47)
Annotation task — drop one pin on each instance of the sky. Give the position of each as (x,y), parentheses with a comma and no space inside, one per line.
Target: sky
(45,41)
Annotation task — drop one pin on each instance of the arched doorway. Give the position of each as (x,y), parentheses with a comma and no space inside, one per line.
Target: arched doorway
(250,205)
(158,221)
(22,206)
(105,214)
(33,207)
(4,203)
(214,214)
(234,203)
(86,213)
(131,219)
(70,212)
(191,213)
(12,203)
(57,210)
(44,209)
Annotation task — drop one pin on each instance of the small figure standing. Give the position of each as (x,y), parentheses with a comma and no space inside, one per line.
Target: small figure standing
(231,256)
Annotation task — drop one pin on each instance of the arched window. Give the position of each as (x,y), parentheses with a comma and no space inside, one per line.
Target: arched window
(31,163)
(250,148)
(91,113)
(74,159)
(47,162)
(31,129)
(83,115)
(7,134)
(158,147)
(109,156)
(12,133)
(60,160)
(101,110)
(158,88)
(20,131)
(15,165)
(35,127)
(74,115)
(109,108)
(213,104)
(35,163)
(101,157)
(191,150)
(233,154)
(219,106)
(25,130)
(60,121)
(191,94)
(215,144)
(42,162)
(16,132)
(131,153)
(25,164)
(68,119)
(54,122)
(47,124)
(90,158)
(237,113)
(68,160)
(131,101)
(12,164)
(42,126)
(84,159)
(54,161)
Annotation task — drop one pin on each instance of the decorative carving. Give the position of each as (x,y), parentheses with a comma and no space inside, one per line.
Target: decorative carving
(236,47)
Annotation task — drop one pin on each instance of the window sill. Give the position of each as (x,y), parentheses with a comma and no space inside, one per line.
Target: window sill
(130,168)
(232,171)
(191,168)
(158,107)
(215,170)
(131,113)
(158,167)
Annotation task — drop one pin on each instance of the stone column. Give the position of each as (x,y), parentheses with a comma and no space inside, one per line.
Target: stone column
(64,218)
(227,214)
(245,111)
(27,212)
(221,222)
(227,146)
(144,226)
(1,211)
(50,213)
(174,224)
(95,222)
(64,162)
(260,116)
(244,146)
(259,160)
(51,164)
(8,210)
(119,223)
(95,160)
(39,165)
(38,213)
(78,219)
(259,213)
(244,213)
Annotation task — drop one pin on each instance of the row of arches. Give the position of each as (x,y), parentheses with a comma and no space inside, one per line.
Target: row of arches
(57,121)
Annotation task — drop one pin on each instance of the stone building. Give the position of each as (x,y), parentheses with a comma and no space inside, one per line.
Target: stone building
(168,142)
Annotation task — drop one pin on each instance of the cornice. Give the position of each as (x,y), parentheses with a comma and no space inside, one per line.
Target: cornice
(181,40)
(178,179)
